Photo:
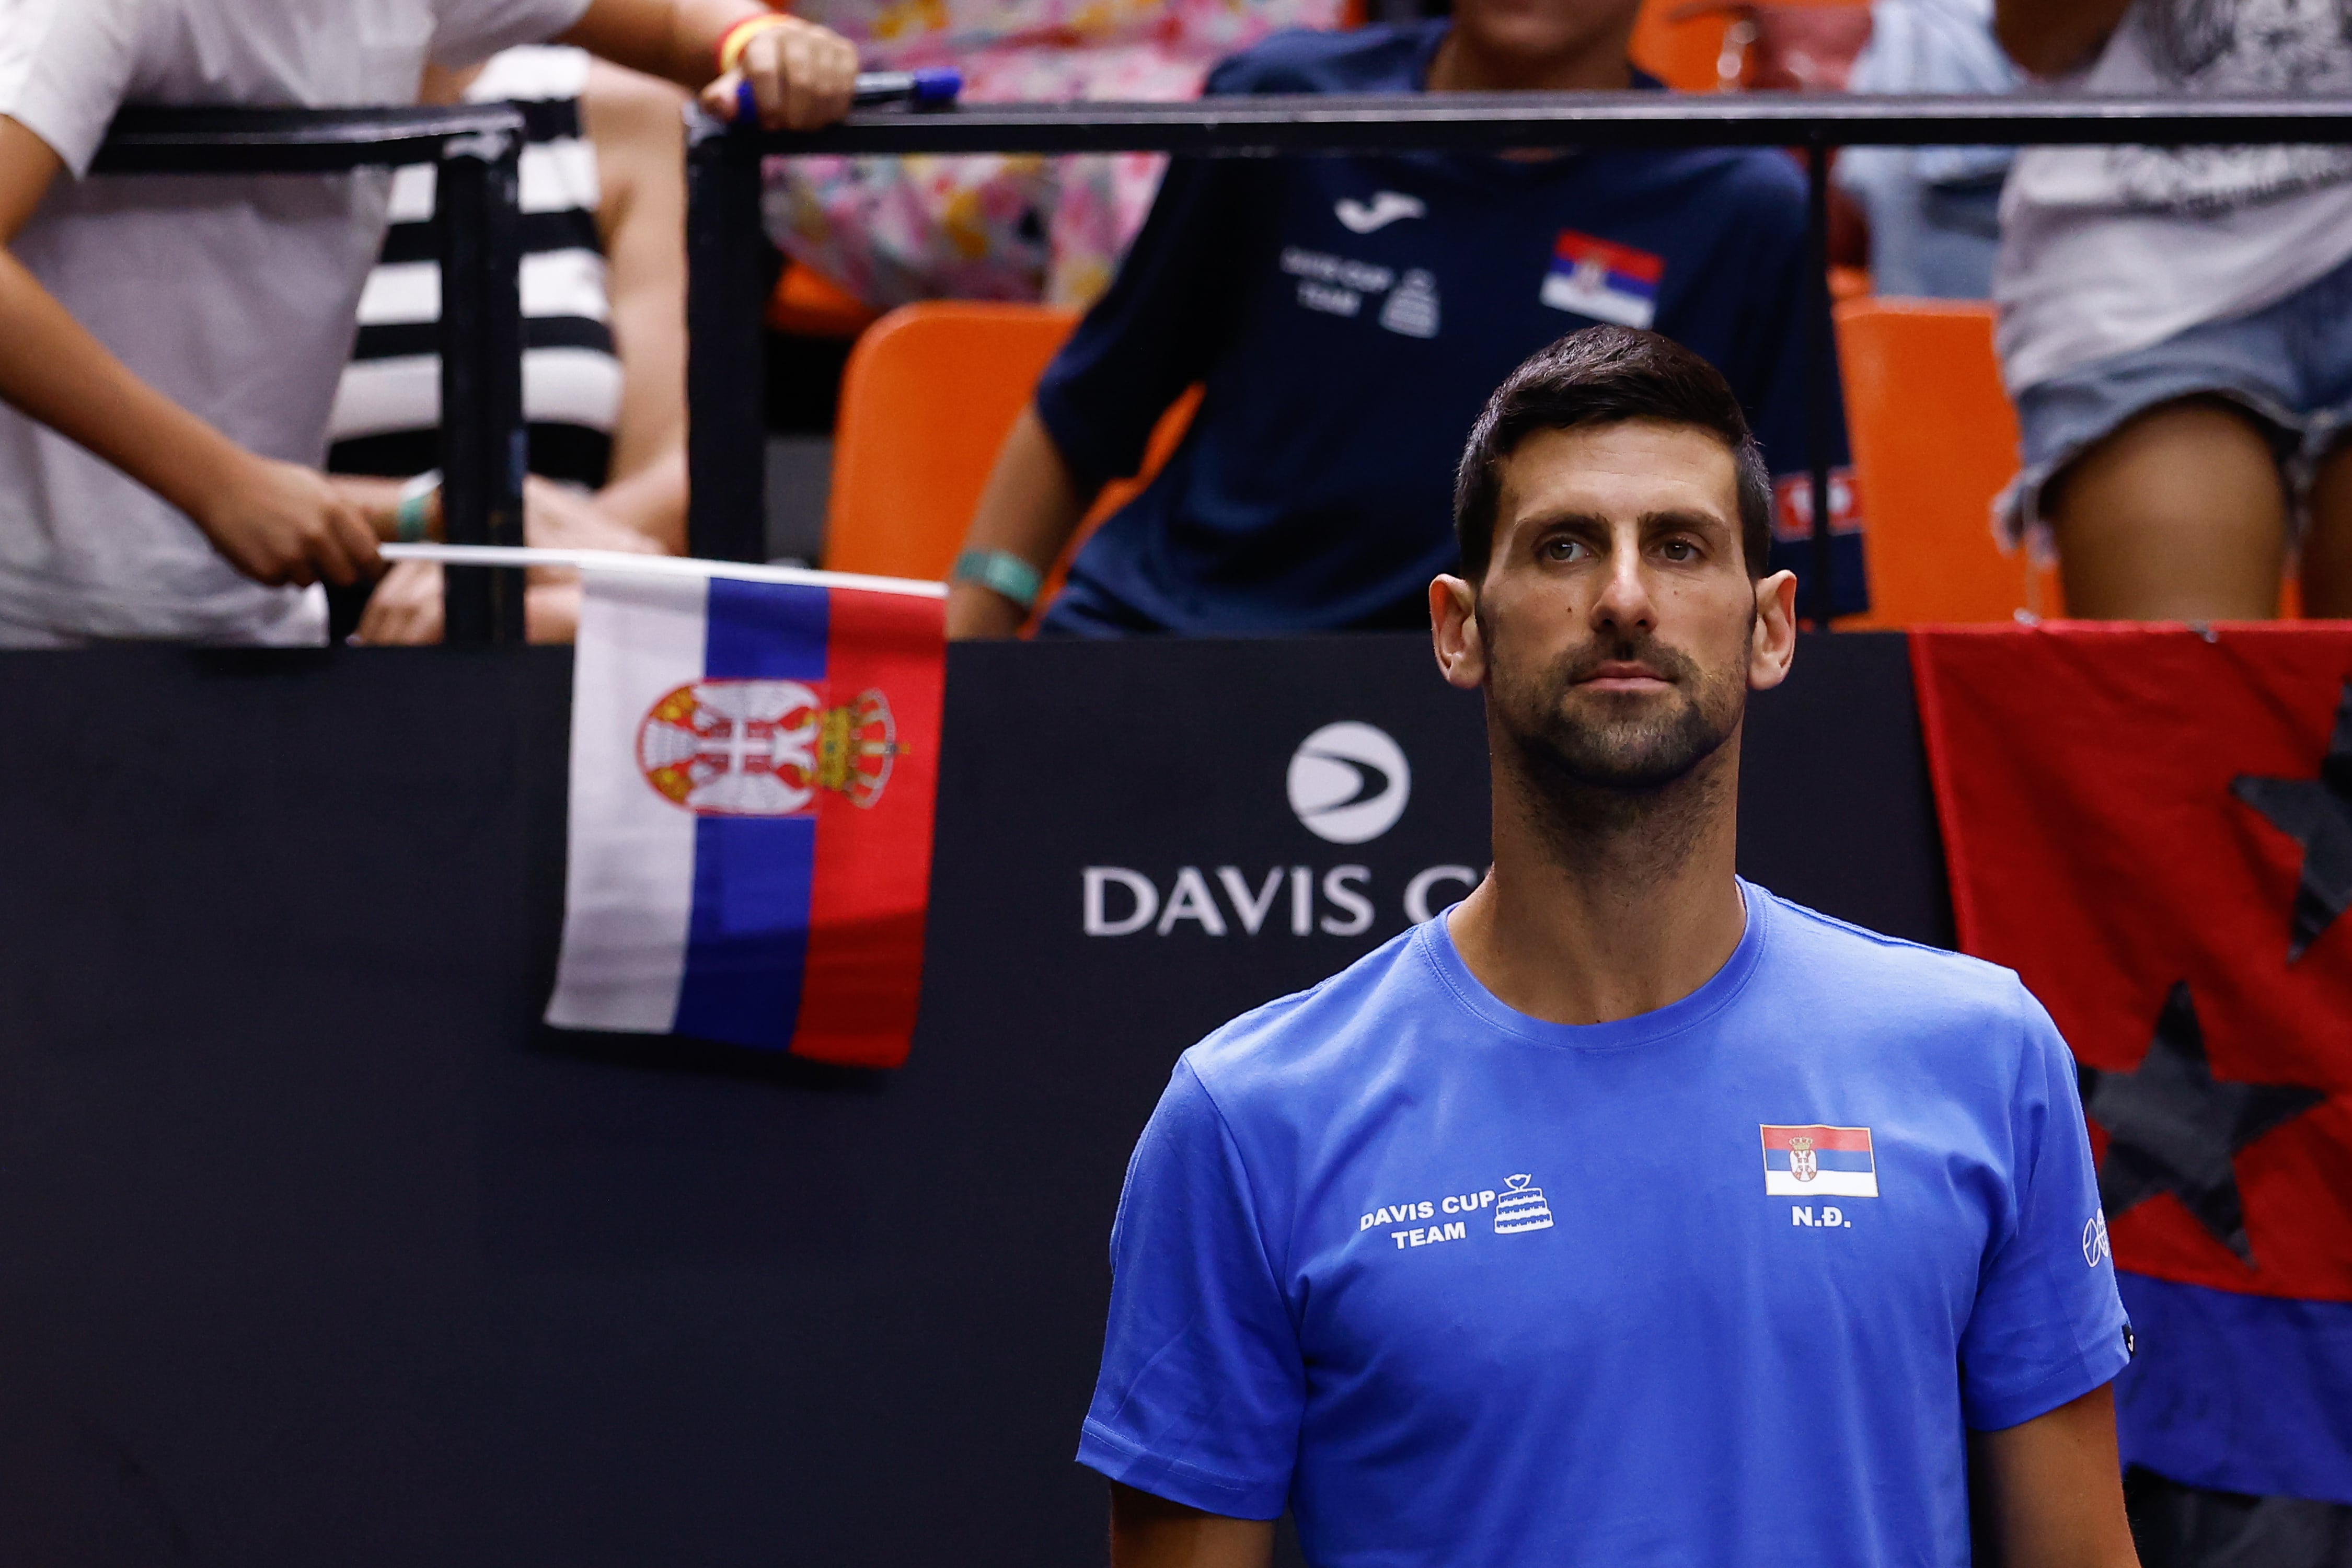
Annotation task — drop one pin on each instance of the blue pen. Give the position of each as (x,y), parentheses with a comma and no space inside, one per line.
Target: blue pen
(932,87)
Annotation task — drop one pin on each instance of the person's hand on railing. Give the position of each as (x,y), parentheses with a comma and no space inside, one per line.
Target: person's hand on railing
(801,74)
(405,608)
(282,523)
(276,522)
(405,611)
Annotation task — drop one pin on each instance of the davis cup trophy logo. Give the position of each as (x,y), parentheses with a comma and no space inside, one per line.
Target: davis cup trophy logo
(765,748)
(1521,1207)
(1803,1164)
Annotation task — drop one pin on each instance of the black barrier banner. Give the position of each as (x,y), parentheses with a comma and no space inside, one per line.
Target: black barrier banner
(1161,844)
(297,1201)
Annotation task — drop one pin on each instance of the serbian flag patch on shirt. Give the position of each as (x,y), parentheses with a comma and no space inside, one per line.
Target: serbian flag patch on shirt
(754,768)
(1607,281)
(1819,1161)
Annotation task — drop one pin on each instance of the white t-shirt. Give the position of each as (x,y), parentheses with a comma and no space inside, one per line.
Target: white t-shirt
(234,295)
(2108,249)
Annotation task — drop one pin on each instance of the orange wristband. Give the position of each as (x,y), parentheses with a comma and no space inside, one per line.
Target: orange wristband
(735,40)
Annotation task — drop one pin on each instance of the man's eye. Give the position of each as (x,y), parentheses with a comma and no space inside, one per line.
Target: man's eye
(1563,549)
(1680,550)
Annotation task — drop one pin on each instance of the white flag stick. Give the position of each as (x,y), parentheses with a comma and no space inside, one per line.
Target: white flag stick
(654,565)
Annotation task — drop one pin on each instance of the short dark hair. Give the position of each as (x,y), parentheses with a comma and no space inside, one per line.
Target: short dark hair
(1604,376)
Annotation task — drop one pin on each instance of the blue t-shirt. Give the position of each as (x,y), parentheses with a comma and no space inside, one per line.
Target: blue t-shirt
(1350,316)
(1720,1284)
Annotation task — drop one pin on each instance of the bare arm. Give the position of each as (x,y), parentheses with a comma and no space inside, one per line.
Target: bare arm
(279,522)
(632,123)
(2052,36)
(2056,1488)
(1030,507)
(1148,1532)
(801,74)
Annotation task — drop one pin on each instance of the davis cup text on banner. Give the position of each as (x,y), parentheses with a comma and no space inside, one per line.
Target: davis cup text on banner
(753,772)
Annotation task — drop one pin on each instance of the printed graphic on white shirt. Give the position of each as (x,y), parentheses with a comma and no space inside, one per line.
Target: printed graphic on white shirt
(1819,1161)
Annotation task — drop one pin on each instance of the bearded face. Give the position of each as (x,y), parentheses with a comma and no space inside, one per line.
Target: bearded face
(1616,625)
(1574,731)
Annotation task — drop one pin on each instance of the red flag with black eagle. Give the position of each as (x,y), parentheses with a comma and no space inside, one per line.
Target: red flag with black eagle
(2153,826)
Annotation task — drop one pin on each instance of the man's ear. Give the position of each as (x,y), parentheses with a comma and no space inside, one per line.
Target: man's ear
(1454,632)
(1775,642)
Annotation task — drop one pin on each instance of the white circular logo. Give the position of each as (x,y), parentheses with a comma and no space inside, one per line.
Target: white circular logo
(1348,783)
(2094,1241)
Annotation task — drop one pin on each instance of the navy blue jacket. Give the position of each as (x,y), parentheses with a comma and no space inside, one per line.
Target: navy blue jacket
(1349,317)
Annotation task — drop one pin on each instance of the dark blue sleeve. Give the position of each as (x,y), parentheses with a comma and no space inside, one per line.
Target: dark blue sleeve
(1169,313)
(2047,1326)
(1202,1387)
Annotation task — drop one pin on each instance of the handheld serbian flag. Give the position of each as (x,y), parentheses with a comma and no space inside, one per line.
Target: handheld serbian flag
(754,766)
(2154,828)
(1603,279)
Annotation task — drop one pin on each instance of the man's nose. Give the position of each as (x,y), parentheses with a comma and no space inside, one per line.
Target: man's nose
(1625,600)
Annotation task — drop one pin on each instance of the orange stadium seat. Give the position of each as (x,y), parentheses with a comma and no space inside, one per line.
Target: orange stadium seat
(1682,53)
(1935,439)
(929,394)
(808,302)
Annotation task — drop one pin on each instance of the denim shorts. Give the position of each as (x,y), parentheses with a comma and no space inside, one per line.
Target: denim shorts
(2289,365)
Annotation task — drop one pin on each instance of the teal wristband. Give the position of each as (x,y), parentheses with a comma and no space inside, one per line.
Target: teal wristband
(411,519)
(1000,572)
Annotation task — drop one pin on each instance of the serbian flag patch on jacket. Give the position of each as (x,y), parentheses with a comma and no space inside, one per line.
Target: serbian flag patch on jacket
(1600,278)
(754,768)
(2153,829)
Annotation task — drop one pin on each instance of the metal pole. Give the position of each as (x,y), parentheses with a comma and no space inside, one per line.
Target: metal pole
(726,365)
(1474,121)
(485,448)
(1820,364)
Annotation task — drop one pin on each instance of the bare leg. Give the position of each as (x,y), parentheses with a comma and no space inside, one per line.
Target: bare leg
(2179,515)
(2327,549)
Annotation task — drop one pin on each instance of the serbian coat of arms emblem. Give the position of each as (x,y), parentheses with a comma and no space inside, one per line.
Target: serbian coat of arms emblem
(1803,1164)
(765,748)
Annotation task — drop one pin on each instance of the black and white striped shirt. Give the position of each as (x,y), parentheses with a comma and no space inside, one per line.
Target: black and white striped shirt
(387,411)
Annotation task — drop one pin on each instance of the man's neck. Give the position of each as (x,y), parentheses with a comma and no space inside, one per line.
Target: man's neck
(1593,915)
(1463,65)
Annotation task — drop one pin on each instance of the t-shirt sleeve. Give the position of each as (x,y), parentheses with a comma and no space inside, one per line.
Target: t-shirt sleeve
(65,67)
(2048,1326)
(1202,1385)
(1171,310)
(467,32)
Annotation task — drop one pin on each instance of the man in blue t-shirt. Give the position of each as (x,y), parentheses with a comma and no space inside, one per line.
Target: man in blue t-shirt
(1625,1214)
(1347,316)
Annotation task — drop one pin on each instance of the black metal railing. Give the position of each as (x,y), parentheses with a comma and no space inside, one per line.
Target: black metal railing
(476,149)
(727,292)
(477,146)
